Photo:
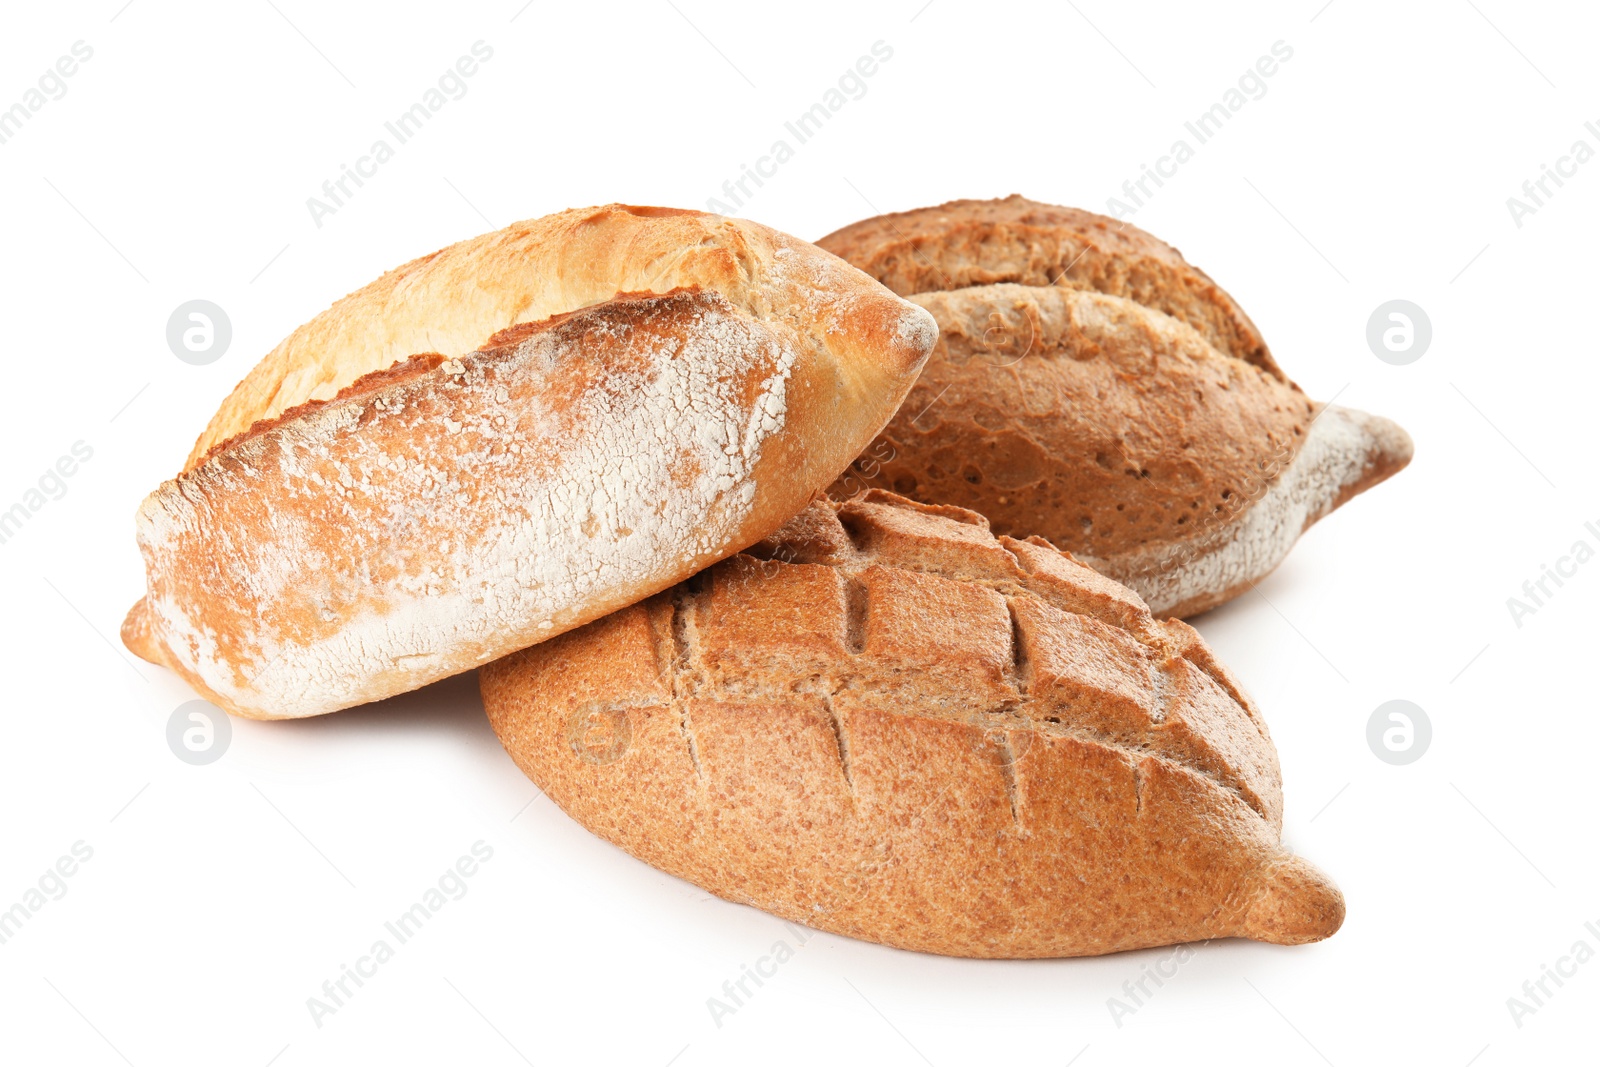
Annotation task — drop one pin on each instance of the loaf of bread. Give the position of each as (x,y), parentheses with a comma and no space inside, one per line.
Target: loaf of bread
(1098,391)
(966,243)
(888,723)
(350,527)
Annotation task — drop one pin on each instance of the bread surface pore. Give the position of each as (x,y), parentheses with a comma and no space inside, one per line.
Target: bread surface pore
(886,722)
(448,302)
(436,516)
(983,242)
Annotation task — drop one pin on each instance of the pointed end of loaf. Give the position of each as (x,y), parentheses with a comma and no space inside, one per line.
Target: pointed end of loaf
(1291,902)
(138,638)
(1376,449)
(1389,447)
(908,341)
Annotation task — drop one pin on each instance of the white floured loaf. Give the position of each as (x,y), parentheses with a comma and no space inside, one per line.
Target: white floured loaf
(659,390)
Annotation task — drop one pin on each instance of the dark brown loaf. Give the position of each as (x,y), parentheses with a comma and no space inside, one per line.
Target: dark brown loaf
(1120,435)
(1092,387)
(887,723)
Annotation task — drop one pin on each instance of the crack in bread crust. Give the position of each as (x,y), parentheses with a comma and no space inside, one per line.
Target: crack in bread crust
(1087,419)
(984,242)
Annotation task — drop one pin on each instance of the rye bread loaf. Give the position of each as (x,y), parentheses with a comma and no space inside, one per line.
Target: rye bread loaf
(1120,435)
(885,722)
(435,514)
(1105,395)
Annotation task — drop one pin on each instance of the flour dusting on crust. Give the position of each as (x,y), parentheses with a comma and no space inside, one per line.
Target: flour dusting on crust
(1342,446)
(514,493)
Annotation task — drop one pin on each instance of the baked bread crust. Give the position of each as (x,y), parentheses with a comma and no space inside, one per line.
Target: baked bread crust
(450,301)
(1122,436)
(435,515)
(966,243)
(887,723)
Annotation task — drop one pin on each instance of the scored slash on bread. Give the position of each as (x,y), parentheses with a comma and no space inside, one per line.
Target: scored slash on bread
(885,722)
(1093,388)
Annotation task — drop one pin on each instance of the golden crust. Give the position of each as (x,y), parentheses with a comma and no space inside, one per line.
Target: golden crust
(413,367)
(982,242)
(885,722)
(449,301)
(435,515)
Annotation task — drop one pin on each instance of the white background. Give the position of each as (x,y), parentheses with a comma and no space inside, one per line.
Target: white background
(219,898)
